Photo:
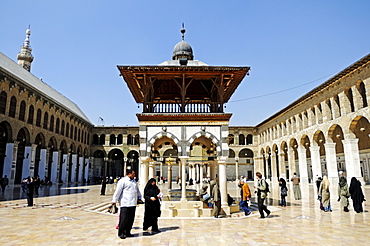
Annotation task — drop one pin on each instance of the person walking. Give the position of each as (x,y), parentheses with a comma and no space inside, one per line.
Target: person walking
(246,195)
(103,186)
(325,194)
(30,187)
(216,198)
(261,196)
(283,192)
(152,211)
(4,183)
(127,193)
(356,195)
(343,193)
(296,187)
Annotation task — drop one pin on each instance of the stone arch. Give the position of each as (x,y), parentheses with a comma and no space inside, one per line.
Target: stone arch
(23,138)
(116,163)
(241,139)
(360,126)
(336,134)
(6,131)
(246,153)
(133,162)
(163,142)
(40,140)
(5,137)
(249,139)
(231,153)
(63,147)
(214,140)
(99,154)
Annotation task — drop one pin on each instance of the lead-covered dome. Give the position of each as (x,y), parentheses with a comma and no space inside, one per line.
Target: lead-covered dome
(182,49)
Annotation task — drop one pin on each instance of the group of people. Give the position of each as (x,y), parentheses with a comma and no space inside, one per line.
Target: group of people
(128,195)
(354,191)
(261,189)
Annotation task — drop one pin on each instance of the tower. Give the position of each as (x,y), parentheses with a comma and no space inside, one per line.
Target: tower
(25,57)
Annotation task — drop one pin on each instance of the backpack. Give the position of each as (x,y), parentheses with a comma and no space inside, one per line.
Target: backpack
(284,191)
(267,187)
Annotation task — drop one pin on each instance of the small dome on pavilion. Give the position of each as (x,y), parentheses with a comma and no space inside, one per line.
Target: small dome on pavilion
(182,49)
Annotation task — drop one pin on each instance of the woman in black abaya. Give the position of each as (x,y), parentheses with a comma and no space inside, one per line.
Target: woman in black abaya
(356,195)
(152,206)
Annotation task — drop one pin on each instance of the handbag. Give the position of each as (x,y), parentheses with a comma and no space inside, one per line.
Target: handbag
(112,209)
(206,196)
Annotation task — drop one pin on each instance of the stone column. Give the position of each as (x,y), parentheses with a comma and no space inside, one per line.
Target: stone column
(274,177)
(357,98)
(331,163)
(73,168)
(282,168)
(169,176)
(32,157)
(160,170)
(81,163)
(144,172)
(151,169)
(86,166)
(183,160)
(200,177)
(237,169)
(223,183)
(64,171)
(10,161)
(316,163)
(291,162)
(26,162)
(54,167)
(302,161)
(42,163)
(352,158)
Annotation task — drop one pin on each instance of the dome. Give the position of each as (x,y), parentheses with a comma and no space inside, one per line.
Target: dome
(182,49)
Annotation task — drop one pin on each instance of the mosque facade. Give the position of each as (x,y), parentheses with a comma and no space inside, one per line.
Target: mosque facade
(183,131)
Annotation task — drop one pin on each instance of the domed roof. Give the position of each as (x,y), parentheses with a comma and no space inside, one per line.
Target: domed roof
(182,49)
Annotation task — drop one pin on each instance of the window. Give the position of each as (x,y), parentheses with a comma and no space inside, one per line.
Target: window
(3,98)
(57,124)
(13,106)
(62,128)
(46,120)
(51,127)
(38,118)
(31,112)
(67,130)
(22,111)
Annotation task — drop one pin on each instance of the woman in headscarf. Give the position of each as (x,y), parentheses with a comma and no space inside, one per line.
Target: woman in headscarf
(356,195)
(343,193)
(152,206)
(283,191)
(325,194)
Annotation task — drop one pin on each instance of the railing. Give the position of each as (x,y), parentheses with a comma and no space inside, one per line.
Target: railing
(189,108)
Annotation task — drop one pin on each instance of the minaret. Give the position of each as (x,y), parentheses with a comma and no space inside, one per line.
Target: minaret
(25,57)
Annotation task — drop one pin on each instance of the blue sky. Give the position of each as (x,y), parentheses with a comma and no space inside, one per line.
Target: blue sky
(78,44)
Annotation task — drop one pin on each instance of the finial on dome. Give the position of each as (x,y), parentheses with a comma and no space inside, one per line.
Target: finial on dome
(183,31)
(27,40)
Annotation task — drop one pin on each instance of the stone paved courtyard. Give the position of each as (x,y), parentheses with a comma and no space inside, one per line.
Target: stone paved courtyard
(69,219)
